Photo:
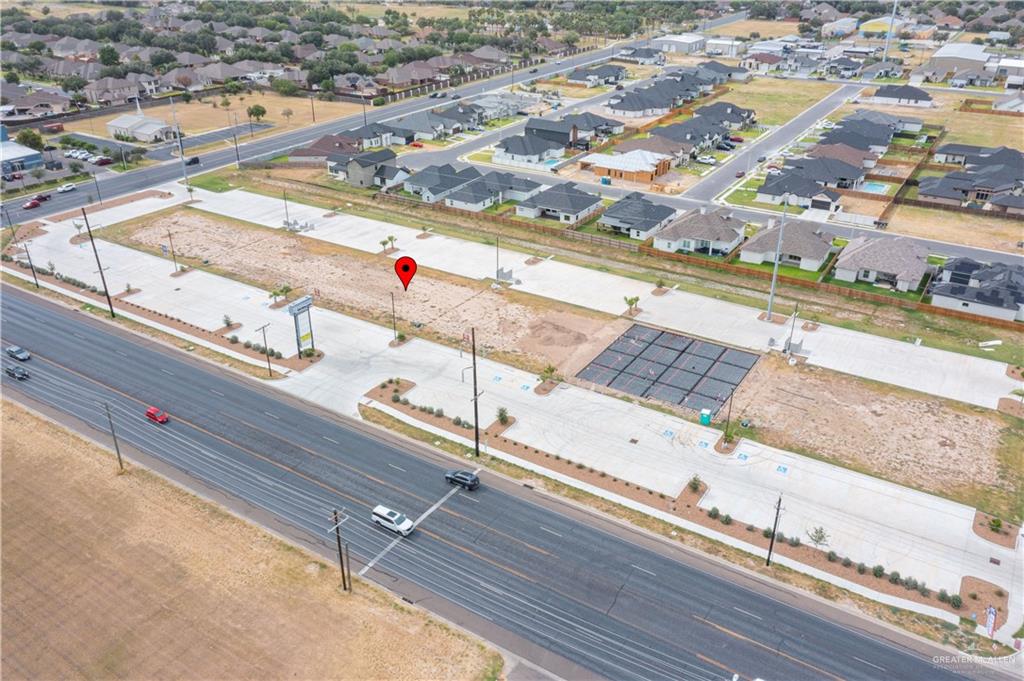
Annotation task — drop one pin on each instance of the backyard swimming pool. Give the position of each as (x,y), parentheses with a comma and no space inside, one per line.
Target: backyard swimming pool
(552,161)
(873,187)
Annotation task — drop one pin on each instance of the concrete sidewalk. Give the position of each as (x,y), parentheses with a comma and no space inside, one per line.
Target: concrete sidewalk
(946,374)
(868,519)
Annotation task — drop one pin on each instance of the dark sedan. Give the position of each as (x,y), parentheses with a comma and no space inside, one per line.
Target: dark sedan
(464,479)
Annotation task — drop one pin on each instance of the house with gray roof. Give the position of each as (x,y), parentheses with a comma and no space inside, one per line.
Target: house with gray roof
(702,230)
(367,169)
(636,216)
(433,183)
(491,189)
(899,123)
(993,290)
(642,55)
(427,125)
(804,245)
(899,263)
(828,172)
(796,189)
(527,150)
(564,203)
(728,114)
(679,151)
(605,74)
(902,95)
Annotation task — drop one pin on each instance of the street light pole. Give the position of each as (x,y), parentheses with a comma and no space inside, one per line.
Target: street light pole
(97,183)
(778,251)
(362,98)
(775,531)
(30,265)
(394,320)
(476,400)
(284,195)
(181,148)
(234,136)
(173,257)
(266,350)
(312,108)
(113,434)
(99,267)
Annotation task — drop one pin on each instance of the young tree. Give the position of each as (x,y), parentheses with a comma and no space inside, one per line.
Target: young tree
(27,137)
(225,103)
(392,240)
(256,111)
(12,77)
(284,87)
(287,113)
(503,416)
(75,167)
(818,536)
(74,83)
(631,301)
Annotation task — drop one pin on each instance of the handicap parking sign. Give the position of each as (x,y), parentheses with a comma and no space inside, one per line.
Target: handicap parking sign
(742,456)
(782,469)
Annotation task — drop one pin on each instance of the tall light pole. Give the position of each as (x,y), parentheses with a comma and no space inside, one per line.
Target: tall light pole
(266,350)
(113,434)
(312,108)
(888,33)
(778,251)
(362,98)
(24,244)
(181,148)
(99,267)
(476,401)
(234,136)
(97,183)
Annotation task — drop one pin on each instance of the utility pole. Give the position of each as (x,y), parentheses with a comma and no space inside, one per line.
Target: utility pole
(888,33)
(775,530)
(284,195)
(99,267)
(792,328)
(362,98)
(394,321)
(476,400)
(497,262)
(97,183)
(173,257)
(266,350)
(728,414)
(348,563)
(312,108)
(234,136)
(341,555)
(124,164)
(117,447)
(778,250)
(30,265)
(181,148)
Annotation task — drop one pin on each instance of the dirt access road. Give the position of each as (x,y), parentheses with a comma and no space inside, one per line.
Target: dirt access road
(126,576)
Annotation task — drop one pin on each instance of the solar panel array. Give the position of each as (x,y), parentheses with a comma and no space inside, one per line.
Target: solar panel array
(670,367)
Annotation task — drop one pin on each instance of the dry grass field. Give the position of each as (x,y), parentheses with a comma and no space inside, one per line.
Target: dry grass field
(196,117)
(414,10)
(982,230)
(767,29)
(63,9)
(125,576)
(777,101)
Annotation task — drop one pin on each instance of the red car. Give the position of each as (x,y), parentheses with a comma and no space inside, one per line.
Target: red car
(31,203)
(735,139)
(41,197)
(104,161)
(157,415)
(741,173)
(418,145)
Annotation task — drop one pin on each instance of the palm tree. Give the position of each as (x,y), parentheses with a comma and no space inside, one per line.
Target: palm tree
(384,244)
(392,240)
(631,301)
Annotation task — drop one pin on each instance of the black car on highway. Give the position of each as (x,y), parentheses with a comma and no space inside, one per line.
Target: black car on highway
(464,479)
(17,352)
(16,372)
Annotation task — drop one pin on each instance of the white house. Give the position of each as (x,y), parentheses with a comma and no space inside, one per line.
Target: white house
(710,232)
(804,245)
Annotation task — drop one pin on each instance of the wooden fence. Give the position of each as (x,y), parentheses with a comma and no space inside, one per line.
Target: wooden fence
(970,106)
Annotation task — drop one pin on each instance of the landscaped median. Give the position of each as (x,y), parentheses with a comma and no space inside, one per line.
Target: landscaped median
(689,511)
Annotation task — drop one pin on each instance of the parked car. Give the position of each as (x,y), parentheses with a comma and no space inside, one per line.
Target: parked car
(104,161)
(707,160)
(774,171)
(533,70)
(442,95)
(17,352)
(92,159)
(31,203)
(157,415)
(724,146)
(41,197)
(619,86)
(740,173)
(762,159)
(736,139)
(16,176)
(192,161)
(392,520)
(456,96)
(417,145)
(433,95)
(464,479)
(64,188)
(828,125)
(16,372)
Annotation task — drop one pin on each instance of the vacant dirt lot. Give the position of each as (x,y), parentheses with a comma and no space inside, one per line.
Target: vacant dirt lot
(196,117)
(928,443)
(766,29)
(777,101)
(537,330)
(974,230)
(109,576)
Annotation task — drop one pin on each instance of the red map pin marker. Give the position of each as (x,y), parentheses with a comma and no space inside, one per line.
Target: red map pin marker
(405,268)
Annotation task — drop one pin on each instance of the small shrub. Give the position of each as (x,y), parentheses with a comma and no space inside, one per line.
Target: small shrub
(794,541)
(383,385)
(467,425)
(233,339)
(503,416)
(694,483)
(779,536)
(395,397)
(924,590)
(713,513)
(439,412)
(603,474)
(956,601)
(832,556)
(247,344)
(581,466)
(308,352)
(750,528)
(1000,593)
(405,401)
(767,533)
(995,524)
(457,421)
(226,320)
(278,355)
(430,410)
(910,584)
(861,568)
(943,596)
(973,596)
(894,577)
(390,381)
(847,562)
(878,571)
(727,519)
(401,337)
(422,408)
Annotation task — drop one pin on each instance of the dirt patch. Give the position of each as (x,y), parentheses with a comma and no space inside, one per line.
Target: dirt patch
(26,232)
(861,206)
(1011,406)
(911,439)
(159,584)
(110,203)
(545,387)
(977,595)
(361,284)
(1015,372)
(1004,534)
(984,231)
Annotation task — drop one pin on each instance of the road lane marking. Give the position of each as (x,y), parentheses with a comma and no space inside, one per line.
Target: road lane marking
(166,371)
(756,617)
(380,555)
(217,392)
(397,467)
(736,674)
(271,415)
(549,531)
(469,498)
(643,570)
(330,439)
(881,669)
(436,506)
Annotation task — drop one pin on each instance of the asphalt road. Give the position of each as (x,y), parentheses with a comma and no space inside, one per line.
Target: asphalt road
(243,130)
(579,595)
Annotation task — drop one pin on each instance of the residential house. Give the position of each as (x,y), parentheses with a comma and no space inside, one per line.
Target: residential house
(136,126)
(898,122)
(730,72)
(148,85)
(829,172)
(564,202)
(700,131)
(797,190)
(858,158)
(822,12)
(950,22)
(903,95)
(898,263)
(967,154)
(1013,102)
(563,132)
(107,91)
(999,36)
(994,290)
(427,125)
(605,74)
(636,216)
(642,55)
(728,114)
(328,146)
(372,135)
(261,71)
(632,166)
(762,62)
(503,105)
(951,59)
(367,169)
(192,59)
(1010,204)
(468,116)
(685,43)
(844,67)
(528,149)
(491,54)
(434,183)
(702,230)
(1000,175)
(551,46)
(1012,70)
(862,134)
(840,28)
(407,75)
(679,151)
(972,78)
(804,245)
(882,69)
(37,103)
(220,72)
(779,48)
(354,83)
(590,125)
(183,78)
(492,189)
